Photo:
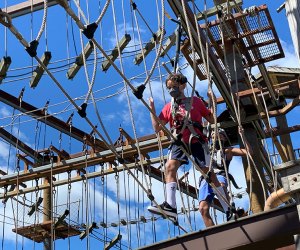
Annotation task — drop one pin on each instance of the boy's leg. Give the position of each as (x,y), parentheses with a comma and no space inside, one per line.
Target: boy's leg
(204,210)
(171,181)
(199,153)
(222,196)
(205,198)
(169,206)
(176,158)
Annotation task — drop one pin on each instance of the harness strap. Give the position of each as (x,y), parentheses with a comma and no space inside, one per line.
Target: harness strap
(230,176)
(190,125)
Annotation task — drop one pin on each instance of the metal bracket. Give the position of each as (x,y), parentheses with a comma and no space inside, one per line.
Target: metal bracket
(290,177)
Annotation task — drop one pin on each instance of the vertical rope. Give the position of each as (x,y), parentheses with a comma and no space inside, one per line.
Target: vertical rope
(67,40)
(43,25)
(88,10)
(129,210)
(52,201)
(4,217)
(69,207)
(86,186)
(5,32)
(118,200)
(124,17)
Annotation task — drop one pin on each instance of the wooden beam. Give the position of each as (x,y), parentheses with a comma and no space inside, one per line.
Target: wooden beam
(286,109)
(214,10)
(128,138)
(20,145)
(78,178)
(153,172)
(79,161)
(50,120)
(249,92)
(267,230)
(281,131)
(27,7)
(61,153)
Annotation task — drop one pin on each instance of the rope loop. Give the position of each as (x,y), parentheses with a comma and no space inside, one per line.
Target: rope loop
(149,174)
(193,204)
(84,145)
(18,165)
(102,174)
(69,180)
(37,188)
(5,191)
(117,176)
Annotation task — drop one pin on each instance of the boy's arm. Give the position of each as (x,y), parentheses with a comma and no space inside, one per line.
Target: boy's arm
(240,151)
(156,126)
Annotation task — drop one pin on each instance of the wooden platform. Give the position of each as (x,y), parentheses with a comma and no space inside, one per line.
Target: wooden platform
(267,230)
(39,232)
(255,36)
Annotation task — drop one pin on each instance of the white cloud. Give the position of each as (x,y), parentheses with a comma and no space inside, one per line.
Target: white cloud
(290,60)
(122,30)
(19,134)
(4,112)
(4,150)
(109,117)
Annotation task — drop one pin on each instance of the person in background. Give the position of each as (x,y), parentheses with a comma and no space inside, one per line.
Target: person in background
(221,161)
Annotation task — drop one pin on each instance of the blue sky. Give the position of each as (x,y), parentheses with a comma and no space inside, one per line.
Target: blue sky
(113,109)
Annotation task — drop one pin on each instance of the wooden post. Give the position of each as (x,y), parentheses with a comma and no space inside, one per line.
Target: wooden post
(237,74)
(47,205)
(285,139)
(257,196)
(286,142)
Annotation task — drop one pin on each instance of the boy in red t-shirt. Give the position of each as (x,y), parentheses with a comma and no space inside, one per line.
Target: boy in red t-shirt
(186,125)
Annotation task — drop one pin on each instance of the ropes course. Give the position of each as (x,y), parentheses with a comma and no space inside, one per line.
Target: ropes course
(79,158)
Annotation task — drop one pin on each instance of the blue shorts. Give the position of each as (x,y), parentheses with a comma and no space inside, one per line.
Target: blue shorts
(200,156)
(206,192)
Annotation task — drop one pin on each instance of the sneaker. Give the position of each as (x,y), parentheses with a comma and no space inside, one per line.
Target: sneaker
(234,214)
(241,212)
(168,210)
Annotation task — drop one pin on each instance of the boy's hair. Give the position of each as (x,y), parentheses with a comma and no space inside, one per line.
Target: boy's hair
(176,77)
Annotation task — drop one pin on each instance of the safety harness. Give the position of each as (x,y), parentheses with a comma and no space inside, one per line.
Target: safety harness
(187,123)
(219,168)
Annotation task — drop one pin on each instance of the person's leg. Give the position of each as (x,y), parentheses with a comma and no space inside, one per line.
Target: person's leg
(176,158)
(199,154)
(222,188)
(204,211)
(171,181)
(205,198)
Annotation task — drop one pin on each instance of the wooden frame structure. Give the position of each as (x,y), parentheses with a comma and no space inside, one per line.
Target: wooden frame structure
(98,154)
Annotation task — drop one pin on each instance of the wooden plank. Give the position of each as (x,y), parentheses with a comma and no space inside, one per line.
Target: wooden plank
(27,7)
(20,145)
(42,231)
(266,230)
(51,120)
(68,165)
(249,92)
(214,10)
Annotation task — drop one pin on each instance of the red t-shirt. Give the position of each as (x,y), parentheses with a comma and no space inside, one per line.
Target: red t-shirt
(198,111)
